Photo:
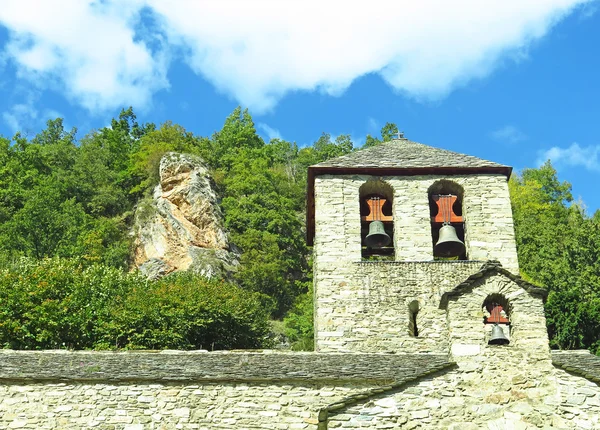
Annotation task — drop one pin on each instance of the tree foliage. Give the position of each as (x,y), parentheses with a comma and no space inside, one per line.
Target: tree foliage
(66,210)
(61,303)
(559,249)
(60,197)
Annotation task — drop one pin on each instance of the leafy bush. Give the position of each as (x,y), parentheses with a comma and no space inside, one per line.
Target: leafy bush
(56,303)
(298,323)
(183,311)
(62,303)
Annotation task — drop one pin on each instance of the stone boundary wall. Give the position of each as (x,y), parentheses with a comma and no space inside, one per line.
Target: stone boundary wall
(195,389)
(280,391)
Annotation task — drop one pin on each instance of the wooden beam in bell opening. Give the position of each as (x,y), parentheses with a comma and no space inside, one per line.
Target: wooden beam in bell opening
(445,204)
(375,211)
(496,315)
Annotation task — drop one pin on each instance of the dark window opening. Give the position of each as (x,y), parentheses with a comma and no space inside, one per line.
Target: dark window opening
(496,311)
(413,310)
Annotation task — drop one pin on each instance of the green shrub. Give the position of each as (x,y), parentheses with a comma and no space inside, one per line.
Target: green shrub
(62,303)
(184,311)
(56,303)
(298,323)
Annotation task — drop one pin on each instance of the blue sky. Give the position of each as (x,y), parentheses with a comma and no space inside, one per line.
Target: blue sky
(516,82)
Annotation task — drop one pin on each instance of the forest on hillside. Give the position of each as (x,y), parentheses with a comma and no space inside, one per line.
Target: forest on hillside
(67,205)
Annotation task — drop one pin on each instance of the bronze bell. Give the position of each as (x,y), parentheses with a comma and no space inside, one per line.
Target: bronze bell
(448,244)
(377,237)
(498,337)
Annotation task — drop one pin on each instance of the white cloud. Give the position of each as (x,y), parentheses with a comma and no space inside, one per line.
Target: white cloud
(269,131)
(373,126)
(508,133)
(573,156)
(26,117)
(22,116)
(84,48)
(258,51)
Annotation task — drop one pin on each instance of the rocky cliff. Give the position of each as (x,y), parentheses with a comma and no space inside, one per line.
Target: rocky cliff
(181,227)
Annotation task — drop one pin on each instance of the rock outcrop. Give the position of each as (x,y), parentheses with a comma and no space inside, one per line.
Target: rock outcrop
(181,227)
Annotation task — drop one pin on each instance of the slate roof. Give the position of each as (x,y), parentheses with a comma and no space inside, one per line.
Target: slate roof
(580,362)
(489,268)
(404,153)
(219,366)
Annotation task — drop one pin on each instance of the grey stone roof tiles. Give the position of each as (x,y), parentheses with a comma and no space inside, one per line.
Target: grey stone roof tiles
(580,362)
(217,366)
(403,153)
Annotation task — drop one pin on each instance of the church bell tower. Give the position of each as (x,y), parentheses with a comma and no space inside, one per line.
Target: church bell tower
(395,228)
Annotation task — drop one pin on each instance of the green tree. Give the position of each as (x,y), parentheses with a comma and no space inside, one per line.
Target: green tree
(388,132)
(559,249)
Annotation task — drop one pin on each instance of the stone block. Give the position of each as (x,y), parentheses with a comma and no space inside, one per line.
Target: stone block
(462,350)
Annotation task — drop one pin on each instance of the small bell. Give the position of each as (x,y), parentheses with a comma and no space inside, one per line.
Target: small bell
(377,237)
(448,244)
(498,337)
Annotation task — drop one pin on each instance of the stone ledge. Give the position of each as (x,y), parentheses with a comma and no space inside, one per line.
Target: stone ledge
(221,366)
(417,262)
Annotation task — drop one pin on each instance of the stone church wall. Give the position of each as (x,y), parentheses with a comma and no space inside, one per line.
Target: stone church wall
(365,306)
(579,405)
(191,390)
(512,386)
(486,394)
(486,210)
(501,388)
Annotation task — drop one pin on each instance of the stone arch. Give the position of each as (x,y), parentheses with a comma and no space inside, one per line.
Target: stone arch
(493,300)
(496,310)
(444,188)
(376,198)
(464,307)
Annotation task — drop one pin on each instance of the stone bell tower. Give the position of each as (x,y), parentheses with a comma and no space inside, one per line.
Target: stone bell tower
(414,252)
(391,296)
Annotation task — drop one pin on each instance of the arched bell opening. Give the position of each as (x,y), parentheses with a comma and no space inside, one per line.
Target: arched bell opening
(447,223)
(376,220)
(496,317)
(413,310)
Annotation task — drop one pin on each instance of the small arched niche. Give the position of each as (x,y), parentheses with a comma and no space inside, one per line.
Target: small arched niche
(496,309)
(496,318)
(445,207)
(413,310)
(376,202)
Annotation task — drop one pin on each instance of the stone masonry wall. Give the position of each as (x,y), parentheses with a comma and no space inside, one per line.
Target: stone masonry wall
(579,405)
(493,386)
(484,394)
(165,406)
(361,307)
(191,390)
(364,307)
